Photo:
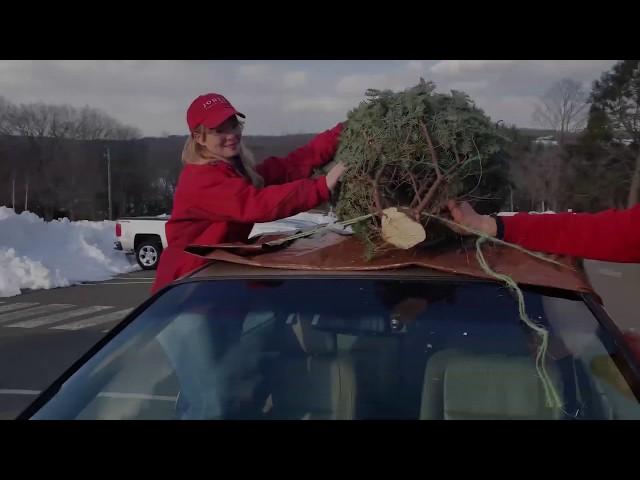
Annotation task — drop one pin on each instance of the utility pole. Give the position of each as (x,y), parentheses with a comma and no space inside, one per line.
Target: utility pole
(108,156)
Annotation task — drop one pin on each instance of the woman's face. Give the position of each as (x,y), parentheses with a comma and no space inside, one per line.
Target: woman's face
(224,140)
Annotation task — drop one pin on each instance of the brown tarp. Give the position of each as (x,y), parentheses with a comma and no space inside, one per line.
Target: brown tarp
(333,252)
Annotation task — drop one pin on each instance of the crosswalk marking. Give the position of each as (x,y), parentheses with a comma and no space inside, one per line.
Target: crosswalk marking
(34,314)
(31,312)
(610,272)
(16,306)
(58,317)
(93,321)
(18,391)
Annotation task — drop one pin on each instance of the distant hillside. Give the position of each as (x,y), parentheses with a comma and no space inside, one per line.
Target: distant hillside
(264,146)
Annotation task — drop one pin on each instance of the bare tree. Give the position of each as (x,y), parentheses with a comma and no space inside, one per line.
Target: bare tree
(125,132)
(94,124)
(62,121)
(31,120)
(562,108)
(44,166)
(38,120)
(5,114)
(538,175)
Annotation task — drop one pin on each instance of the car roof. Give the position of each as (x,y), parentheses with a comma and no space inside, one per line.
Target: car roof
(334,255)
(221,269)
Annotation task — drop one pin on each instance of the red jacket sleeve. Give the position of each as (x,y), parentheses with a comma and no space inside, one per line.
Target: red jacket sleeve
(234,199)
(611,235)
(301,162)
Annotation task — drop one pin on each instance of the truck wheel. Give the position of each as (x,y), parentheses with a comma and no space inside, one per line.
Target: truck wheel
(148,253)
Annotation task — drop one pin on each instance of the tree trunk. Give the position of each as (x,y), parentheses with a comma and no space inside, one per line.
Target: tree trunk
(635,184)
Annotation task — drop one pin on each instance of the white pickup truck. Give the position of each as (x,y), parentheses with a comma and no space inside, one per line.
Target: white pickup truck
(145,236)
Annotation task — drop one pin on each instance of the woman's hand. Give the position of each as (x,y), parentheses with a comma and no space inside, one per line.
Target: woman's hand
(334,175)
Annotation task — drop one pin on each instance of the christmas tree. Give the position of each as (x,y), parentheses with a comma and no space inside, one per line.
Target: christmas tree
(407,153)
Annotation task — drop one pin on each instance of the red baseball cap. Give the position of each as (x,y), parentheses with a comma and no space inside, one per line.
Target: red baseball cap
(210,110)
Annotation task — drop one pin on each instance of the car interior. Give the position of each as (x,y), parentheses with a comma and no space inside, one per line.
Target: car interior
(307,365)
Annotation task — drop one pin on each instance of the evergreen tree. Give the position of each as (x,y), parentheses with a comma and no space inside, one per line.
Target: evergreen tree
(414,150)
(616,107)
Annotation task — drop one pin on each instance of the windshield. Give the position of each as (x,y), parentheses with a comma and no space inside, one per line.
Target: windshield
(348,349)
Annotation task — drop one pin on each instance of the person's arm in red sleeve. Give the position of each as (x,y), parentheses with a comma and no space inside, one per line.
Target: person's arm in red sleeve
(611,235)
(301,162)
(236,200)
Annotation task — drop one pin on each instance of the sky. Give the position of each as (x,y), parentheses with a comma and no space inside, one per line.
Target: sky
(279,97)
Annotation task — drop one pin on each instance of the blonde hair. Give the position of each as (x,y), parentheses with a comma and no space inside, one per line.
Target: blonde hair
(196,154)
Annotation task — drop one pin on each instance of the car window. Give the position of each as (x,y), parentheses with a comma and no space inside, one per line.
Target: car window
(348,349)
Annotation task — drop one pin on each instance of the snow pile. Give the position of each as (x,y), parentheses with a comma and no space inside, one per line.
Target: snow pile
(38,254)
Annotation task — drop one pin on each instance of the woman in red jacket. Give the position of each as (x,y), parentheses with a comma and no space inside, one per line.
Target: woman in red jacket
(219,196)
(220,193)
